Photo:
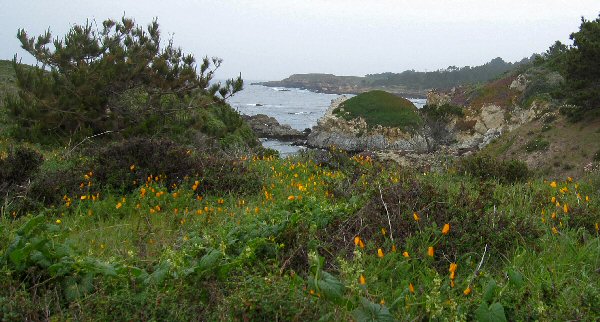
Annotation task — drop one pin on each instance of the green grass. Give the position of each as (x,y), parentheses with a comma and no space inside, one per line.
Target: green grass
(287,252)
(381,108)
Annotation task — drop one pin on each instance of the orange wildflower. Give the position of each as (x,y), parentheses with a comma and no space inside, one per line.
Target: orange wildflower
(291,198)
(446,229)
(416,216)
(467,291)
(411,288)
(430,251)
(393,248)
(452,268)
(405,254)
(356,240)
(566,208)
(380,253)
(362,280)
(553,200)
(119,205)
(553,184)
(451,283)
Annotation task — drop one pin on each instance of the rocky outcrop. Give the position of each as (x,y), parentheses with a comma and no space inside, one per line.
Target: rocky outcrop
(484,122)
(356,135)
(267,127)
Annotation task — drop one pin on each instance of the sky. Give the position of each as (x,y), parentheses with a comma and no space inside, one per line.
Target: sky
(272,39)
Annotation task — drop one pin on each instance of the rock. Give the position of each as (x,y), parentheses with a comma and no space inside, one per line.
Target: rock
(265,126)
(355,136)
(520,83)
(258,104)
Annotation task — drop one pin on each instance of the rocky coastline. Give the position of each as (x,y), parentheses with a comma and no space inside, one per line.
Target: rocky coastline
(265,126)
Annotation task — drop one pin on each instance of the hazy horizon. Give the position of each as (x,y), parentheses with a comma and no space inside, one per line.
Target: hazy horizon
(270,40)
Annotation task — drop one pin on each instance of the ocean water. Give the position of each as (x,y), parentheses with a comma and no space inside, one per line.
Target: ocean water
(299,108)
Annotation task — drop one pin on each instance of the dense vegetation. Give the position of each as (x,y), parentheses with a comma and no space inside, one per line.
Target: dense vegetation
(116,80)
(380,108)
(445,78)
(182,222)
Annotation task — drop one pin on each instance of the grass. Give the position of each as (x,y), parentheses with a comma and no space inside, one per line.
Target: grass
(290,250)
(381,108)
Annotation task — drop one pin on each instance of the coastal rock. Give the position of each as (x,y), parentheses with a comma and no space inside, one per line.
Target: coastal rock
(354,135)
(267,127)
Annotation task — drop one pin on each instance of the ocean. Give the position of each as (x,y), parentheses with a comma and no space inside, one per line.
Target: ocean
(297,107)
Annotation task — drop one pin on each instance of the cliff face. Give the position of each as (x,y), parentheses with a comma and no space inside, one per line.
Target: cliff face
(356,135)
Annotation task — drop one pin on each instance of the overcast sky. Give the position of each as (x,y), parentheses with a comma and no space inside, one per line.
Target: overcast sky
(271,39)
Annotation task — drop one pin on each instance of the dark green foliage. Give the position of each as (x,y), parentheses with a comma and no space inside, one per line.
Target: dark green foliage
(446,78)
(487,168)
(597,156)
(381,108)
(16,170)
(80,88)
(172,163)
(537,144)
(582,70)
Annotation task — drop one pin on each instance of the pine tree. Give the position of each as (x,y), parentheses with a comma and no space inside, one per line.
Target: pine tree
(583,65)
(80,81)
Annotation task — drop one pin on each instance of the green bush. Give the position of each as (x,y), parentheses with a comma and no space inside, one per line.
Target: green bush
(488,168)
(16,170)
(127,164)
(537,144)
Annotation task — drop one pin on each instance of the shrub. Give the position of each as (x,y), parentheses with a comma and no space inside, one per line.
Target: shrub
(126,164)
(485,168)
(16,169)
(537,144)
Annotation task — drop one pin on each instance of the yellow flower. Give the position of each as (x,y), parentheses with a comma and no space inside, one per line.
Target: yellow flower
(379,253)
(83,197)
(362,280)
(566,208)
(467,291)
(291,198)
(132,167)
(553,200)
(446,229)
(597,227)
(393,248)
(383,231)
(416,216)
(356,240)
(58,221)
(119,205)
(452,283)
(587,198)
(405,254)
(430,251)
(569,179)
(553,184)
(554,230)
(411,288)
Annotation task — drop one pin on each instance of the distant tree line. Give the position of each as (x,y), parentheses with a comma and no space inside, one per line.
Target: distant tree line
(445,78)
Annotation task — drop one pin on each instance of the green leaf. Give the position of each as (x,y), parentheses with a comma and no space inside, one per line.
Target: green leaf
(29,226)
(515,278)
(330,286)
(159,275)
(493,313)
(488,293)
(208,261)
(369,311)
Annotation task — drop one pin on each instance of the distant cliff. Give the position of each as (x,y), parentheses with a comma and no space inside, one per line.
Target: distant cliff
(332,84)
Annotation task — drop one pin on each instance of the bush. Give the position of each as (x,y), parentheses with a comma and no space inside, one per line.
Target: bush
(125,165)
(487,168)
(16,169)
(537,144)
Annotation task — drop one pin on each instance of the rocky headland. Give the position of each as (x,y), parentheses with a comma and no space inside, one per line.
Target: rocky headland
(332,84)
(265,126)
